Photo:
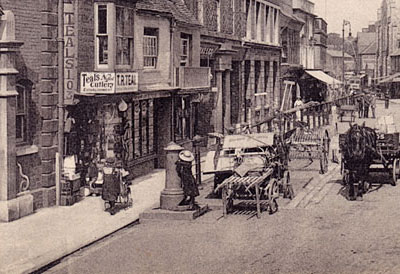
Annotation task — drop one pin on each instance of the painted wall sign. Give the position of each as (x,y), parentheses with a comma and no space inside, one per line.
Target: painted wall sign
(70,53)
(97,82)
(108,82)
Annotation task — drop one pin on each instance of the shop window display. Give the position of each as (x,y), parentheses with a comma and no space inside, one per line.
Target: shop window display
(102,131)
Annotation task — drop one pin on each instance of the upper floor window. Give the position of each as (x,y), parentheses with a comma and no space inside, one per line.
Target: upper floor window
(150,48)
(102,35)
(185,49)
(124,35)
(114,26)
(262,21)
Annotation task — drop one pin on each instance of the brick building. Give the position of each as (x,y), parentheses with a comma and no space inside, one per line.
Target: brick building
(29,151)
(133,83)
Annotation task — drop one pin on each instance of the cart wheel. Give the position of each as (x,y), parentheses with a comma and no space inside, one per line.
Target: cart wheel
(395,171)
(273,194)
(287,186)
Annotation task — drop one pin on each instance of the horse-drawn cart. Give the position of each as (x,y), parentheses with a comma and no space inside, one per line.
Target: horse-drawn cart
(252,166)
(310,144)
(347,111)
(362,149)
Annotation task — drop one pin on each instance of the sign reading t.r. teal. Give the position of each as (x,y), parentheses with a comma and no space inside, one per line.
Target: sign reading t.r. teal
(70,53)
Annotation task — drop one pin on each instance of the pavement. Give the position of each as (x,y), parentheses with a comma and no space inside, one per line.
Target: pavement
(34,241)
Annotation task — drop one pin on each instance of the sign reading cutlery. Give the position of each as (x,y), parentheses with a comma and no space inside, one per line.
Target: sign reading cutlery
(108,82)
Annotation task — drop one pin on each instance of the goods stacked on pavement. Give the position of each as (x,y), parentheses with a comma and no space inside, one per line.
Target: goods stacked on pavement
(385,124)
(70,190)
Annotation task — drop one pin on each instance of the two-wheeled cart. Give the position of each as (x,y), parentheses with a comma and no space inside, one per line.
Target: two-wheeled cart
(252,167)
(305,143)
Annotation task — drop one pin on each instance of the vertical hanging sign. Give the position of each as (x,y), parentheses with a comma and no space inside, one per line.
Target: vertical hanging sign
(70,53)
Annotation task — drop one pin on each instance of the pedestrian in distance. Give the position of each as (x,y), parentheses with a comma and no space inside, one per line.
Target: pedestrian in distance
(360,105)
(189,186)
(373,105)
(387,99)
(297,104)
(366,105)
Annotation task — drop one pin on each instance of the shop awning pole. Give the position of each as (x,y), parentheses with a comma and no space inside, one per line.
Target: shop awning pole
(60,105)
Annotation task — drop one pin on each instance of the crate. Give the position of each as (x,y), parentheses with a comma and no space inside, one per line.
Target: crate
(67,200)
(66,187)
(76,185)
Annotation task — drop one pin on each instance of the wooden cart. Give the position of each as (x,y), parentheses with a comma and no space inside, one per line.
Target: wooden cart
(310,144)
(347,111)
(387,147)
(252,167)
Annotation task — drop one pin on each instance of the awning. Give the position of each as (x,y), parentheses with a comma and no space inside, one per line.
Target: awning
(322,76)
(395,78)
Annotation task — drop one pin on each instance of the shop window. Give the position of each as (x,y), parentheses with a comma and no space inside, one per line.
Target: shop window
(150,47)
(124,35)
(182,118)
(185,49)
(21,128)
(101,23)
(143,128)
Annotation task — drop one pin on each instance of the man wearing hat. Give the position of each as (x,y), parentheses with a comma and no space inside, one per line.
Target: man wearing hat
(184,170)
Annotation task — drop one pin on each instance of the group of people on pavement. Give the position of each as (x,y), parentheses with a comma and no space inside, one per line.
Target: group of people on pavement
(113,175)
(366,102)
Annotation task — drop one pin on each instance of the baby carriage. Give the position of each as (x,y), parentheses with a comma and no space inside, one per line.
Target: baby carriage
(116,191)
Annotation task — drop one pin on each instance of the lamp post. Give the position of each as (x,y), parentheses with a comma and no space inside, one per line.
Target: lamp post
(345,23)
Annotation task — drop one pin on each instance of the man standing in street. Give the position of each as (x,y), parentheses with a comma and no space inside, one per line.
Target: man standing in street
(297,104)
(366,104)
(373,104)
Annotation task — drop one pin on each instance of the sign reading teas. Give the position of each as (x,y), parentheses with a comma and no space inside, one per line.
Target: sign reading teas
(108,82)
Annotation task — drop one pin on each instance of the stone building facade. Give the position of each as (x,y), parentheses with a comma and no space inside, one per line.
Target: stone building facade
(241,44)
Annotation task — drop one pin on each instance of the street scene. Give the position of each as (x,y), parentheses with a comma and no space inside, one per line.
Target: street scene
(199,136)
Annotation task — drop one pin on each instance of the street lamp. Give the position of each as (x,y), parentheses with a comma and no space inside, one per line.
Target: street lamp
(345,23)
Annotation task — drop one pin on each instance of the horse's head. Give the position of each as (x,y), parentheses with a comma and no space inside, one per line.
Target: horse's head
(356,142)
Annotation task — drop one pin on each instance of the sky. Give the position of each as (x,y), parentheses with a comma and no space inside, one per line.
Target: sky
(359,12)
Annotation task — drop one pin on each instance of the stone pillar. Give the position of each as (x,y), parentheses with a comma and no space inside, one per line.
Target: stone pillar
(227,103)
(172,194)
(218,123)
(12,207)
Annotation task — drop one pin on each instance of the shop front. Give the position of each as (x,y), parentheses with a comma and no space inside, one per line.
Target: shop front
(112,122)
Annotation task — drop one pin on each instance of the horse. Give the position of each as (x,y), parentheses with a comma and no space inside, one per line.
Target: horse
(358,154)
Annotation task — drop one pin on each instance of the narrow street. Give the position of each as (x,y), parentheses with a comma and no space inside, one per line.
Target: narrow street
(323,233)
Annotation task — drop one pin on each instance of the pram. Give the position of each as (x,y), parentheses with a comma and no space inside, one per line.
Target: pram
(116,189)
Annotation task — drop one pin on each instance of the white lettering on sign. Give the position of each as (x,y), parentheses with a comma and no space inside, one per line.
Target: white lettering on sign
(70,54)
(97,82)
(126,82)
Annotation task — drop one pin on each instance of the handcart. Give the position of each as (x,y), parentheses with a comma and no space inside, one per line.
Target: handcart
(310,144)
(252,166)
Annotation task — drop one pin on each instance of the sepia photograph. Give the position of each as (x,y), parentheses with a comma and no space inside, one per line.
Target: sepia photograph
(200,136)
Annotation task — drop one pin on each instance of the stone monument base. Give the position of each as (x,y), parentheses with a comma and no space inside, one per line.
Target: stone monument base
(180,213)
